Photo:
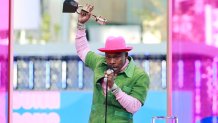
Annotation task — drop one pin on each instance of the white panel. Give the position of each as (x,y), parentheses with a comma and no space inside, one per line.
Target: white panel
(26,14)
(131,33)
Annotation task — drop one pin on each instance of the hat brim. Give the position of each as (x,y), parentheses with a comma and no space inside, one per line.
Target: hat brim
(115,50)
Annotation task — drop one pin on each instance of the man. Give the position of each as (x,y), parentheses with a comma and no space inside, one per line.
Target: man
(127,83)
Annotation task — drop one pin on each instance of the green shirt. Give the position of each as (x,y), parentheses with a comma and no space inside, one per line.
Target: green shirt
(133,81)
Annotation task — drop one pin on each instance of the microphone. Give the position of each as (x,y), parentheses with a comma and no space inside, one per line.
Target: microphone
(71,6)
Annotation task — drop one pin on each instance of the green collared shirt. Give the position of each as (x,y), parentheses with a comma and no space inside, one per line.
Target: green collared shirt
(133,81)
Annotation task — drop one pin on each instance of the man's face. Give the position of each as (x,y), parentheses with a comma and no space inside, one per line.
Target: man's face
(116,60)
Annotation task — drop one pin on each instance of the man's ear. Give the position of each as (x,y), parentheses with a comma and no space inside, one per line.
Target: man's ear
(126,54)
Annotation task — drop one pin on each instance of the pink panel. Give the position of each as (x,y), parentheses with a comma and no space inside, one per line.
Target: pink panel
(33,100)
(194,59)
(4,59)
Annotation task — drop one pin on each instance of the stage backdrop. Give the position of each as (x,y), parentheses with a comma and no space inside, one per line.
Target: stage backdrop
(195,61)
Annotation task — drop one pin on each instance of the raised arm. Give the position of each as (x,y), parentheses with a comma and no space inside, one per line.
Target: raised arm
(81,43)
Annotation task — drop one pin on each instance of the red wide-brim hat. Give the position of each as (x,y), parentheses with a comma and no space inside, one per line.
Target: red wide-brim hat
(115,44)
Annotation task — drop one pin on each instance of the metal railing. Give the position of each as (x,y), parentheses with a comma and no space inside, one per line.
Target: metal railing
(69,72)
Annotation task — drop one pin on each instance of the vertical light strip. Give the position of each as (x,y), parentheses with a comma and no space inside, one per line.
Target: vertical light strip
(47,75)
(197,96)
(197,101)
(163,73)
(214,87)
(180,73)
(80,73)
(208,25)
(214,71)
(15,75)
(64,74)
(169,59)
(31,84)
(146,66)
(197,74)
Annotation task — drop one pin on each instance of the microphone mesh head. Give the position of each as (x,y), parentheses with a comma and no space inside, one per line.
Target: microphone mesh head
(109,71)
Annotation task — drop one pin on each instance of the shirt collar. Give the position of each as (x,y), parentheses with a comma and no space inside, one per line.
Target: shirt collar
(130,68)
(124,66)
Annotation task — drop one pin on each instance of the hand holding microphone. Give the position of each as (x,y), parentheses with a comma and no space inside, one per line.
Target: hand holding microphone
(109,77)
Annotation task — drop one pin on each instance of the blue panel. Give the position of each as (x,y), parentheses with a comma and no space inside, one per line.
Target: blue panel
(182,101)
(155,105)
(75,106)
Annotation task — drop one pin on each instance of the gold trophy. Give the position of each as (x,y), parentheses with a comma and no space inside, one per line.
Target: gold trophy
(71,6)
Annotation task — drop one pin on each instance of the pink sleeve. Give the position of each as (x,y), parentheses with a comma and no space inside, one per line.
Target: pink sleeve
(130,103)
(81,43)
